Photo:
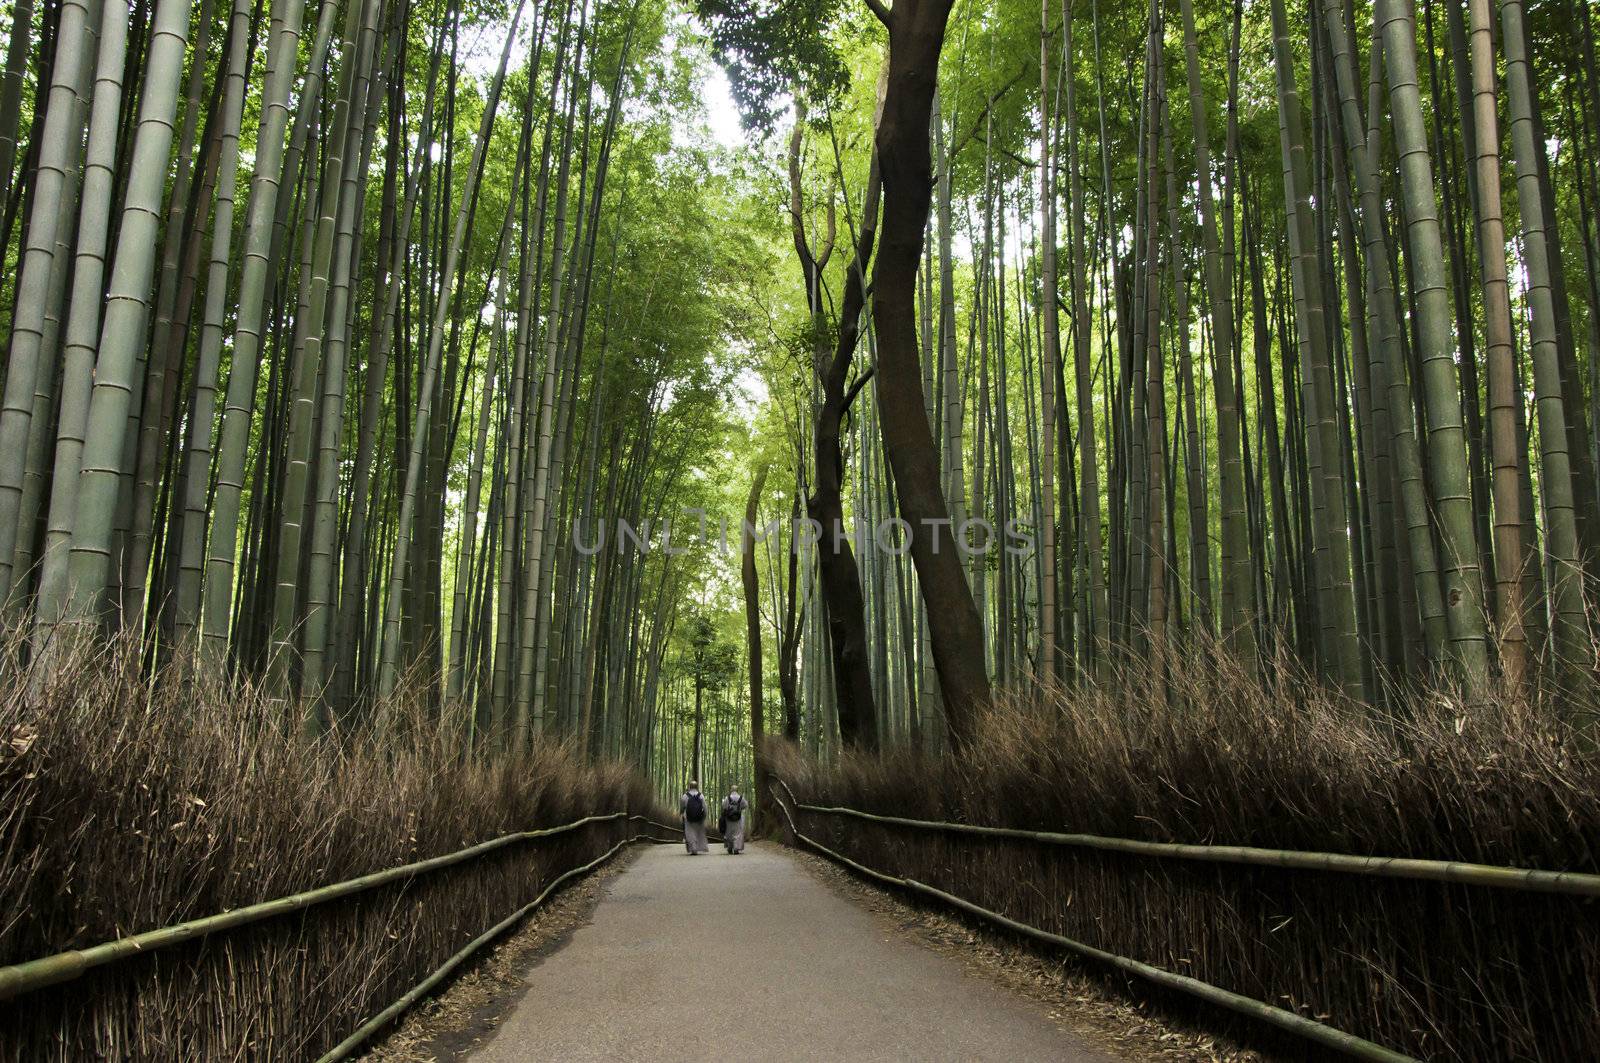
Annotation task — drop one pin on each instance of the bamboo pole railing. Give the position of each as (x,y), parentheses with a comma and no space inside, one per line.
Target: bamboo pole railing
(73,963)
(1330,1037)
(1571,883)
(344,1049)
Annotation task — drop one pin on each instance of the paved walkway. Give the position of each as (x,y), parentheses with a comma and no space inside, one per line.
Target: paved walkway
(751,958)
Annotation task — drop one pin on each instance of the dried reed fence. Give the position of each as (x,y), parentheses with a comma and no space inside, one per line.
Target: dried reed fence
(127,806)
(1436,970)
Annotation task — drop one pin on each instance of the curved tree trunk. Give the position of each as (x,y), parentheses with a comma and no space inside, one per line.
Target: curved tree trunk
(752,626)
(916,37)
(840,577)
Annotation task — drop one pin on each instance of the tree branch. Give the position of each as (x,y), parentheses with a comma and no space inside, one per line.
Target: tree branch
(860,382)
(977,126)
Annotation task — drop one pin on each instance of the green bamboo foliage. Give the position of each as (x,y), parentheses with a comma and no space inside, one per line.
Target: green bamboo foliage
(389,664)
(1246,373)
(1350,466)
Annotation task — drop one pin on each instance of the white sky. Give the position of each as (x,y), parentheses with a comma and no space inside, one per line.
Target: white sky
(721,115)
(481,55)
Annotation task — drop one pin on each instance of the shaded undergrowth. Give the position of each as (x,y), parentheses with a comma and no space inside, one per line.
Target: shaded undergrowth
(1440,971)
(127,805)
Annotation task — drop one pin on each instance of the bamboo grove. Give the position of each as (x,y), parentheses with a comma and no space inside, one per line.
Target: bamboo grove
(323,318)
(1273,323)
(340,335)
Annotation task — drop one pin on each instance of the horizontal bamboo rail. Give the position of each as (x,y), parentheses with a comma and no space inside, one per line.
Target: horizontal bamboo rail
(1347,1043)
(1571,883)
(344,1049)
(66,966)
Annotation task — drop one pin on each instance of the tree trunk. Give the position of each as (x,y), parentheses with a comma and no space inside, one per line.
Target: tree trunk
(752,626)
(840,576)
(916,37)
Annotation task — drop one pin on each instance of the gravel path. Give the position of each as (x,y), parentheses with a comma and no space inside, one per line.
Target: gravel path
(751,958)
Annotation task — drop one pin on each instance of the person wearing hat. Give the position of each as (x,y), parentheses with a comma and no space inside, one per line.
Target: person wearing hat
(692,807)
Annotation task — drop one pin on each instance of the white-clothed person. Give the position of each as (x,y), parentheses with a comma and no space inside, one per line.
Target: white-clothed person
(692,806)
(734,810)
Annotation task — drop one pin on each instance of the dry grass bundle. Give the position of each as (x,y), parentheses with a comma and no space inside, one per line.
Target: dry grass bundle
(127,805)
(1441,971)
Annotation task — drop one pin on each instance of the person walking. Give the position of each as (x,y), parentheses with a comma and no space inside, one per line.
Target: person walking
(734,807)
(692,807)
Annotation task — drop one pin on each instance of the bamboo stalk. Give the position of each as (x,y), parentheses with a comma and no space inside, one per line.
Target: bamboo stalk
(1572,883)
(65,966)
(1347,1043)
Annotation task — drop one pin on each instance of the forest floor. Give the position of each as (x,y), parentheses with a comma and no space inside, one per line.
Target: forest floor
(766,956)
